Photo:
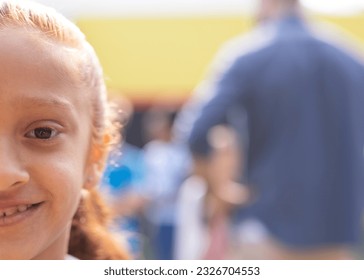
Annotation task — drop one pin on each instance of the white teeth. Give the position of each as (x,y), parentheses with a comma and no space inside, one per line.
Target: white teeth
(22,208)
(10,211)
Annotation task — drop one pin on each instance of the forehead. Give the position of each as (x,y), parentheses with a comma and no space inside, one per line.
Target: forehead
(17,43)
(32,64)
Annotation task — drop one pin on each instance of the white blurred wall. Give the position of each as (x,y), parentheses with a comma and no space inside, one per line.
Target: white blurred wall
(132,8)
(126,8)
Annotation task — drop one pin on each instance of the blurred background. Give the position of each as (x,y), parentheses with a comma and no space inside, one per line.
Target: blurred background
(157,51)
(154,53)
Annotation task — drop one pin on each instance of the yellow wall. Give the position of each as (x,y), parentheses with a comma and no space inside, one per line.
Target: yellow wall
(164,58)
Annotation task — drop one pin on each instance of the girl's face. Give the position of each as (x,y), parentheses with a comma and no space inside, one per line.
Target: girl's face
(45,132)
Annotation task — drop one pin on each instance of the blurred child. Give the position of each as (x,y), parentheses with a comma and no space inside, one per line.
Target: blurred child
(123,181)
(167,165)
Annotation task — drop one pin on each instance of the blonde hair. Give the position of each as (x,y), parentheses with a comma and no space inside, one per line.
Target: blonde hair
(90,236)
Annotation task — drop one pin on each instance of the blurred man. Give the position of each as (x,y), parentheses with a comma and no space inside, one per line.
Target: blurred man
(302,99)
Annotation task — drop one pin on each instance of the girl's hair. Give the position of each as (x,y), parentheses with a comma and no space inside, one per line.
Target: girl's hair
(90,236)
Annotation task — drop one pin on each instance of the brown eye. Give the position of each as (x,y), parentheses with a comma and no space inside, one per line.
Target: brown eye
(43,133)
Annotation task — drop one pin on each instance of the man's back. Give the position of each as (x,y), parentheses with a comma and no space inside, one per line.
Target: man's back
(303,98)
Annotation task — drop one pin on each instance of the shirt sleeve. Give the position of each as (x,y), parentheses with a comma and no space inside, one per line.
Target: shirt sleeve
(228,91)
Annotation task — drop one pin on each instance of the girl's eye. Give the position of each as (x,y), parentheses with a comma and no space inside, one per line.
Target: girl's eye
(42,133)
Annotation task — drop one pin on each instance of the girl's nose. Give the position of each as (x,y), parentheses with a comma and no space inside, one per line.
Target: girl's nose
(12,171)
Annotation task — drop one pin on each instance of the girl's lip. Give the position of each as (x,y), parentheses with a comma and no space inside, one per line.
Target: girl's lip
(16,217)
(8,200)
(7,203)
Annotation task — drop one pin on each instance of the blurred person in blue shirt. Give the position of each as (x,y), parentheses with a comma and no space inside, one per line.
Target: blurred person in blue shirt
(295,96)
(123,181)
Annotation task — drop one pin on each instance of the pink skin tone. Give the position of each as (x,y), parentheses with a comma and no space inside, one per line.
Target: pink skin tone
(45,136)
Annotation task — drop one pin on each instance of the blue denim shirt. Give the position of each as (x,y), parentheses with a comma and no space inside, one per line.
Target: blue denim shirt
(303,98)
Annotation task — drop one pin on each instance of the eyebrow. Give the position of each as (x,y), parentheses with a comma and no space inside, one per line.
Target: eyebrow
(44,102)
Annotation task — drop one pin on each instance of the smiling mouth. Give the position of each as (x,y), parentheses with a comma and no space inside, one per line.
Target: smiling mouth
(17,213)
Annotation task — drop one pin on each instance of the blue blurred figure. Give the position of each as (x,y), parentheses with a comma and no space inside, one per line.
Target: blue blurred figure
(296,100)
(123,180)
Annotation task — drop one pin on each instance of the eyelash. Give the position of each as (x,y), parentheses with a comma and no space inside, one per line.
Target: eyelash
(44,129)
